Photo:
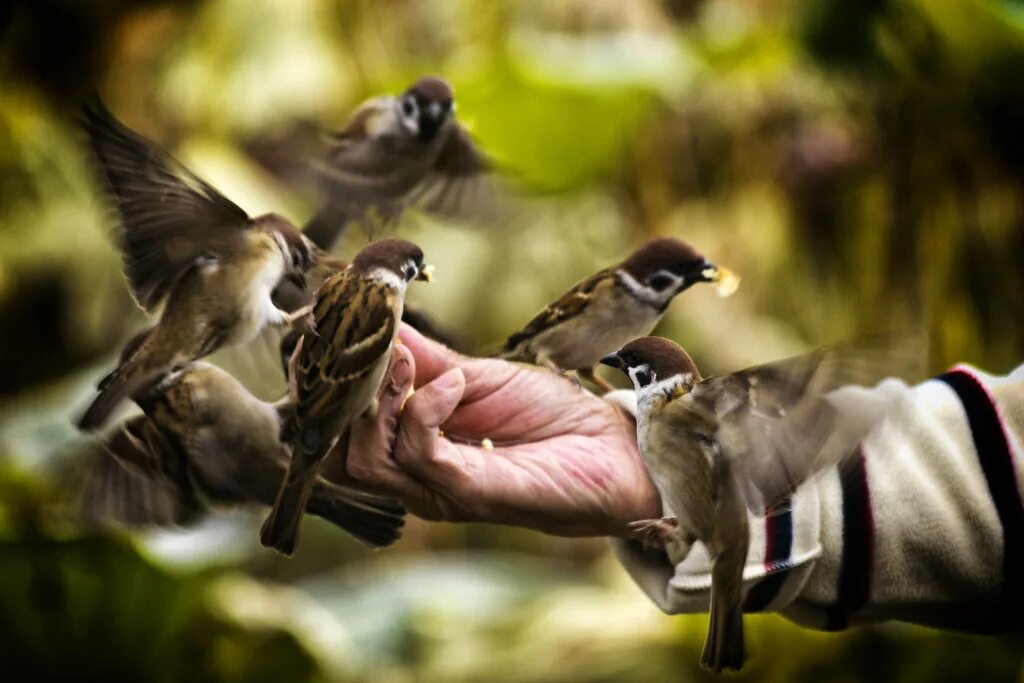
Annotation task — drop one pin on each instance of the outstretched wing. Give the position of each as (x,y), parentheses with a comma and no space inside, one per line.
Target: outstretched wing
(113,484)
(568,306)
(781,422)
(169,217)
(372,175)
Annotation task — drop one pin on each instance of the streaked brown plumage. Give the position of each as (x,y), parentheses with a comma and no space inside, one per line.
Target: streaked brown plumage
(338,368)
(395,151)
(719,446)
(186,244)
(606,310)
(205,442)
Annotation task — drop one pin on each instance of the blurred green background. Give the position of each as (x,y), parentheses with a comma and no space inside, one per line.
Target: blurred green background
(858,162)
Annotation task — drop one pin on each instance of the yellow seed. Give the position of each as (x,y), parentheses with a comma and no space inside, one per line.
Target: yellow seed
(726,282)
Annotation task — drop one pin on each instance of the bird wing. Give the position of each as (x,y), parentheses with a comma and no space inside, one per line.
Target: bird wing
(568,306)
(354,328)
(781,422)
(365,169)
(113,485)
(169,217)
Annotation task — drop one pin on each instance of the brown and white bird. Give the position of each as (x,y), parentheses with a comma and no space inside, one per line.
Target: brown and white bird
(185,244)
(204,443)
(719,446)
(338,368)
(613,306)
(395,151)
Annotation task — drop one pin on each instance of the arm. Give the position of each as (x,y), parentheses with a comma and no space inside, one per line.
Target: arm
(907,531)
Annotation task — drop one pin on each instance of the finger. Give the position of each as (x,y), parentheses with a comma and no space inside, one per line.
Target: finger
(432,359)
(417,446)
(482,375)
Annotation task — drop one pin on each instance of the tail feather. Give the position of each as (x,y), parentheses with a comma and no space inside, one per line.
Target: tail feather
(281,528)
(723,647)
(128,378)
(372,520)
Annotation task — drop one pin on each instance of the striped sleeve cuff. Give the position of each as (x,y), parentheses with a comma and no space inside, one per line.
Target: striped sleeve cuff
(783,545)
(924,523)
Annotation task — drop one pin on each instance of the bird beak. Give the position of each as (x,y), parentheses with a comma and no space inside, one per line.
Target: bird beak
(726,281)
(709,272)
(434,109)
(426,273)
(612,360)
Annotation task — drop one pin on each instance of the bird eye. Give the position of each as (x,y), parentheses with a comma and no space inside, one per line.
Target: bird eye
(659,282)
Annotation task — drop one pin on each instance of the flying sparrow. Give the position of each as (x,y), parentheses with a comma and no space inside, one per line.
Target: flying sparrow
(719,446)
(185,243)
(338,367)
(205,442)
(392,152)
(613,306)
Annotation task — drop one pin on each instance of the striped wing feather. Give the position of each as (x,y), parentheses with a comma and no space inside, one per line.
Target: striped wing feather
(568,306)
(355,325)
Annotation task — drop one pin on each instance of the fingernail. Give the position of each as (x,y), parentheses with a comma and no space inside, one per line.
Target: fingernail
(450,380)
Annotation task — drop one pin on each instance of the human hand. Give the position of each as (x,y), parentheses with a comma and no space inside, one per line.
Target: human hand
(564,461)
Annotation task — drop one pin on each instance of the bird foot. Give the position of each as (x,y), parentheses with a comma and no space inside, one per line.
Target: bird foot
(655,533)
(289,319)
(589,375)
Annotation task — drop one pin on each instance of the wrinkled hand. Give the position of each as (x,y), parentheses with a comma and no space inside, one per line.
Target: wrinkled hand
(564,461)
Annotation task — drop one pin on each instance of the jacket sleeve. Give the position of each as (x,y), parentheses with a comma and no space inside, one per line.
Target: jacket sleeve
(924,523)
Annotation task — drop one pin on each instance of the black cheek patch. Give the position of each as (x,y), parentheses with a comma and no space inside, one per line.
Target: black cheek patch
(643,378)
(659,282)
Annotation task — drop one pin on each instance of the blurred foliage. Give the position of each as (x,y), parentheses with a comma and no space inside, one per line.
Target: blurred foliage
(858,162)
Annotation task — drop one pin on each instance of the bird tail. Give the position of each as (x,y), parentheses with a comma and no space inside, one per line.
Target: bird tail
(125,380)
(373,520)
(723,647)
(281,528)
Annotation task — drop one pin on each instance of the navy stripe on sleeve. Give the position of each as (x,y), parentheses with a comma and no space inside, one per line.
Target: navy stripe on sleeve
(858,555)
(778,547)
(997,464)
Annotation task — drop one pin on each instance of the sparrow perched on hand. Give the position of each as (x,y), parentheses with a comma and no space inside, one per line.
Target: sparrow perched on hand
(613,306)
(185,243)
(338,368)
(392,152)
(205,442)
(719,446)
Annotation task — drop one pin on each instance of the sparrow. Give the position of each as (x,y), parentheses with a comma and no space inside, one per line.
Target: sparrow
(186,245)
(204,442)
(290,296)
(718,447)
(395,151)
(613,306)
(338,367)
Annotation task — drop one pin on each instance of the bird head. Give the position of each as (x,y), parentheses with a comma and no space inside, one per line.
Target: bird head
(394,257)
(426,106)
(664,267)
(655,364)
(299,253)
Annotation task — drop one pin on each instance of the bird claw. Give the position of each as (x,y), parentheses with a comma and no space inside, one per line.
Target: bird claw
(589,375)
(655,533)
(289,319)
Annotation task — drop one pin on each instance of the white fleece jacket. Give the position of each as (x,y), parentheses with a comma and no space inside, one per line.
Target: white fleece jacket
(924,524)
